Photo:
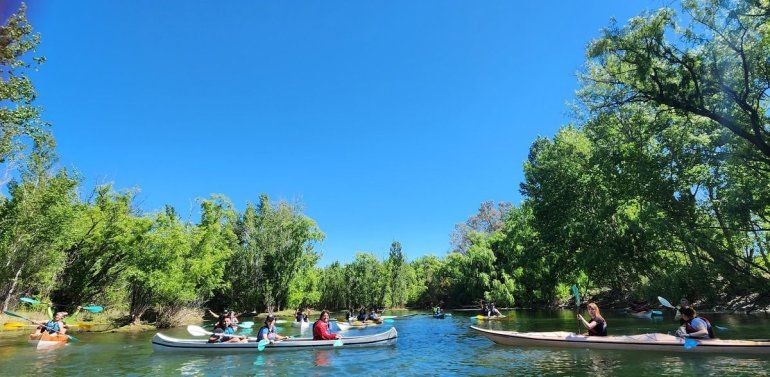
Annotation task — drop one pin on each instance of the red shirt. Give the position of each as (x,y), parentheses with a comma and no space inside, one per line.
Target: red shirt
(321,331)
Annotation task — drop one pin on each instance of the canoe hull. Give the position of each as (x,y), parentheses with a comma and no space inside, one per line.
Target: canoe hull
(356,325)
(644,342)
(47,341)
(163,343)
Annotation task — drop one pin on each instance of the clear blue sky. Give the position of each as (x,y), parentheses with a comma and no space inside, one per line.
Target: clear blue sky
(389,120)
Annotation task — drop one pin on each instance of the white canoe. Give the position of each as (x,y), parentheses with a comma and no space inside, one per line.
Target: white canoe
(642,342)
(301,325)
(162,342)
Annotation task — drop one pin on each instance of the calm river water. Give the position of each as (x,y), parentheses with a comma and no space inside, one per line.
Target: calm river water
(426,347)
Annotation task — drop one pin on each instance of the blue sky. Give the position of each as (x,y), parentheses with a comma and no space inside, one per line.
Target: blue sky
(388,120)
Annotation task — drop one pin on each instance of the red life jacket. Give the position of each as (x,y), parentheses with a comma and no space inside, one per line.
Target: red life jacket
(688,327)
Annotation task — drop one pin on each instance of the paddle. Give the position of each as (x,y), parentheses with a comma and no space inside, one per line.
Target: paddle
(92,309)
(200,331)
(667,304)
(12,314)
(576,293)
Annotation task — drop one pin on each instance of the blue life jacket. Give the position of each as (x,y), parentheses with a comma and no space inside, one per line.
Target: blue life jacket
(52,327)
(264,330)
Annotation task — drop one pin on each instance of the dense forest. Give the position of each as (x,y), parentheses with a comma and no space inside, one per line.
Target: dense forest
(660,186)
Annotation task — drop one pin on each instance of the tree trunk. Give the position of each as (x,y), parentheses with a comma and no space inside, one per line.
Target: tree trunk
(13,287)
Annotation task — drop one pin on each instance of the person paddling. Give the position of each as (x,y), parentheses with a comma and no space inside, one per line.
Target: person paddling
(694,326)
(373,316)
(597,326)
(493,311)
(321,328)
(361,315)
(53,326)
(224,332)
(267,332)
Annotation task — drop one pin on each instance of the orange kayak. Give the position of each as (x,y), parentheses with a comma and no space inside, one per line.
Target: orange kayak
(48,341)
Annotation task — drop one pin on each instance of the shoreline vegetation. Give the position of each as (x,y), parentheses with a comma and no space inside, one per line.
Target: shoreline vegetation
(659,186)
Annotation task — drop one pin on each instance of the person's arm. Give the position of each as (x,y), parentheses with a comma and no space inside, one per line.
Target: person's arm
(584,322)
(212,313)
(62,328)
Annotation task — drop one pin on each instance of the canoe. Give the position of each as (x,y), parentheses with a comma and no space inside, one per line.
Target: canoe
(642,342)
(47,341)
(162,343)
(301,325)
(646,314)
(356,325)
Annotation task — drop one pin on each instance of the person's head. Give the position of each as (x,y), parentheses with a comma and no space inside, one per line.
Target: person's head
(492,305)
(324,316)
(59,316)
(688,313)
(593,310)
(683,302)
(270,321)
(227,321)
(372,311)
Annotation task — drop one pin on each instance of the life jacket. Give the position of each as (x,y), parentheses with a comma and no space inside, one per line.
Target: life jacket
(599,330)
(266,330)
(361,316)
(690,329)
(52,327)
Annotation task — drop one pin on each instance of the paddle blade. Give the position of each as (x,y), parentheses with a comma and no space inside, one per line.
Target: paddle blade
(720,328)
(29,300)
(93,309)
(576,293)
(665,302)
(262,344)
(447,314)
(72,338)
(480,317)
(338,343)
(13,325)
(690,343)
(197,330)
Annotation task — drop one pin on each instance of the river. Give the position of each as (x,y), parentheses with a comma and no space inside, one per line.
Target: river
(426,347)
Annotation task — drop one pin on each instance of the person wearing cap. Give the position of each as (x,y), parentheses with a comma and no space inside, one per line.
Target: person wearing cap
(493,311)
(267,332)
(53,326)
(321,328)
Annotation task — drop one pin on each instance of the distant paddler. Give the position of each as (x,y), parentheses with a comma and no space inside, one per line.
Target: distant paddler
(597,326)
(373,316)
(268,333)
(230,314)
(321,328)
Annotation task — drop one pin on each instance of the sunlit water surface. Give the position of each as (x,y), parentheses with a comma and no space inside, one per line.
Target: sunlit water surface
(426,347)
